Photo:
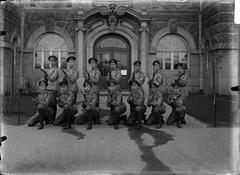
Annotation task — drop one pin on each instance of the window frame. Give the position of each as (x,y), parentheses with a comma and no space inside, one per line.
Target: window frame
(51,51)
(171,52)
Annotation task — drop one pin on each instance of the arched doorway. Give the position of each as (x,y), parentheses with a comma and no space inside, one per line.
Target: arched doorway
(115,46)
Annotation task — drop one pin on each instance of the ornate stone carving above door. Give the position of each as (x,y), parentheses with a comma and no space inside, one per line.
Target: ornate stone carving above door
(50,24)
(112,15)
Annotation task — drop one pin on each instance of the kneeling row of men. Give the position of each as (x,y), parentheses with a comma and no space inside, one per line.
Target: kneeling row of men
(46,103)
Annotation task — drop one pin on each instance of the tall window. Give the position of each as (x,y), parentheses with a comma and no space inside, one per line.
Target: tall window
(50,44)
(172,49)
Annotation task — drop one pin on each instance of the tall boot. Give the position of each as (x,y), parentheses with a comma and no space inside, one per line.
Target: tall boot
(41,125)
(89,127)
(89,116)
(69,117)
(98,119)
(42,113)
(159,121)
(144,119)
(178,119)
(179,124)
(116,116)
(68,126)
(53,117)
(183,119)
(139,118)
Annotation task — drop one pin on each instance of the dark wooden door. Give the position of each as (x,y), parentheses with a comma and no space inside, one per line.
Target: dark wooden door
(113,47)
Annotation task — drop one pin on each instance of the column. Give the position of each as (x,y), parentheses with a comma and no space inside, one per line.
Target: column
(80,51)
(143,30)
(21,55)
(200,54)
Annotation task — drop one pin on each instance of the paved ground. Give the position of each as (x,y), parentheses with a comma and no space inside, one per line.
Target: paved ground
(196,148)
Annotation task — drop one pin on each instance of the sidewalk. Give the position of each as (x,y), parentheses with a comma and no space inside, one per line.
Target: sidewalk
(194,149)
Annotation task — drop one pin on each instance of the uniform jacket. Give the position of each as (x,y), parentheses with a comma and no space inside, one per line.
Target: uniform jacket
(182,81)
(72,76)
(155,99)
(94,77)
(115,76)
(136,97)
(114,99)
(45,98)
(90,100)
(53,78)
(176,98)
(138,76)
(66,99)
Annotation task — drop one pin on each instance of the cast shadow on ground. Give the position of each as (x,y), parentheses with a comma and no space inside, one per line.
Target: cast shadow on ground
(74,132)
(153,164)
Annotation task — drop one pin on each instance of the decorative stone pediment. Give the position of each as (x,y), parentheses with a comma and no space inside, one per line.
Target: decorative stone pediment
(112,15)
(112,9)
(50,24)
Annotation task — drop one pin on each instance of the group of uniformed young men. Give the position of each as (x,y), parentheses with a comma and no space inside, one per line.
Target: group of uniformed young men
(64,94)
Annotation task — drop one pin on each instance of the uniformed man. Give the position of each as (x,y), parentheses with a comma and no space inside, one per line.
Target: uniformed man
(157,76)
(66,102)
(136,101)
(45,106)
(72,75)
(181,79)
(176,100)
(94,75)
(53,76)
(89,105)
(158,79)
(139,76)
(114,101)
(155,100)
(114,75)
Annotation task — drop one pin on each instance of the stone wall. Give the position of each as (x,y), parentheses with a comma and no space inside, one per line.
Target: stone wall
(223,37)
(49,21)
(10,44)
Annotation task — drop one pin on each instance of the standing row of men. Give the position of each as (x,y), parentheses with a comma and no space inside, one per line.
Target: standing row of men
(65,93)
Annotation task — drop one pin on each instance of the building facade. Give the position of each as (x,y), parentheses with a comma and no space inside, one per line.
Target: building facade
(200,34)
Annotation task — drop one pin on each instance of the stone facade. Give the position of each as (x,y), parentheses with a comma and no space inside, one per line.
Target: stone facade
(222,36)
(10,47)
(141,23)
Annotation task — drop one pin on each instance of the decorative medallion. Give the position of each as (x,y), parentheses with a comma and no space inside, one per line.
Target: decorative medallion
(112,14)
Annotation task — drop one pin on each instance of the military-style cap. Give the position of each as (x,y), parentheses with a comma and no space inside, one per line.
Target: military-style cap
(132,81)
(71,58)
(113,60)
(178,64)
(156,61)
(137,62)
(52,58)
(62,83)
(86,83)
(235,88)
(93,58)
(42,81)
